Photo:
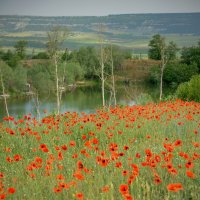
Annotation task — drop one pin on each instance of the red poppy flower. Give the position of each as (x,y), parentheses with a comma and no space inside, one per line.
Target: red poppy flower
(17,157)
(57,190)
(190,174)
(79,195)
(178,143)
(189,165)
(137,155)
(1,175)
(106,188)
(123,188)
(72,143)
(11,190)
(175,187)
(78,175)
(2,196)
(80,165)
(125,172)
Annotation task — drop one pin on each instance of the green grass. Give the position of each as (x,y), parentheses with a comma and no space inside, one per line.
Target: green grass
(145,148)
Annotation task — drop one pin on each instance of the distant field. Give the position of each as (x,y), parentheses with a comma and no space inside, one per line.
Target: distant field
(36,40)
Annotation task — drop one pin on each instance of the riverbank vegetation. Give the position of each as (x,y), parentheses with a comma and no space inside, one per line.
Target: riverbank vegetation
(22,75)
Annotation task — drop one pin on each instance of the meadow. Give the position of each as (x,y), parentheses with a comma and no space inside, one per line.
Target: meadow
(139,152)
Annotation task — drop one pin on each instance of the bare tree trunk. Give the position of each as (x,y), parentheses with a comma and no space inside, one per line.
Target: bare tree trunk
(113,78)
(161,82)
(57,84)
(4,96)
(102,75)
(37,104)
(162,67)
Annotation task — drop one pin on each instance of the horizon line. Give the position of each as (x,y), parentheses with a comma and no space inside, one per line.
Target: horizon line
(24,15)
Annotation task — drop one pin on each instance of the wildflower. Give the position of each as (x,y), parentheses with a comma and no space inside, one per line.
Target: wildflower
(157,180)
(80,165)
(190,174)
(78,175)
(72,143)
(175,187)
(123,188)
(1,175)
(189,165)
(75,155)
(104,162)
(178,143)
(128,197)
(38,160)
(17,157)
(106,188)
(126,148)
(57,190)
(125,172)
(2,196)
(60,177)
(11,190)
(79,196)
(118,165)
(137,155)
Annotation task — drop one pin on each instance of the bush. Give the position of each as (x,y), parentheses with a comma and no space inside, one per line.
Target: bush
(189,90)
(176,73)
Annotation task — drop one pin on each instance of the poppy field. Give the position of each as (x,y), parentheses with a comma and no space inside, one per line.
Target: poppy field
(138,152)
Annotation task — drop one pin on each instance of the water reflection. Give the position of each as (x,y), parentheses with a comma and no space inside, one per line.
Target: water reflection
(86,100)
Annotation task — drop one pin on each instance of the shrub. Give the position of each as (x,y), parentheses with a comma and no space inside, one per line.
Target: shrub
(176,73)
(189,90)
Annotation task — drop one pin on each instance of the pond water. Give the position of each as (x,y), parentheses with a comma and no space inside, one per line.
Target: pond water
(83,99)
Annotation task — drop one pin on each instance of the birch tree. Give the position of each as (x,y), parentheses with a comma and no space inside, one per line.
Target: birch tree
(56,37)
(4,95)
(159,50)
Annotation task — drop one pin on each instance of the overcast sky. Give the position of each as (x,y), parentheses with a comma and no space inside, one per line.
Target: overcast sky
(95,7)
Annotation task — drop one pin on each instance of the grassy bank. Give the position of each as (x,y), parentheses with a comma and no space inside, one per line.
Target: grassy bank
(139,152)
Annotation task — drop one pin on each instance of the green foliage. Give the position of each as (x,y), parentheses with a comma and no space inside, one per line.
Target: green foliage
(191,55)
(7,75)
(40,77)
(154,75)
(19,79)
(20,48)
(176,73)
(10,58)
(189,90)
(71,72)
(41,55)
(154,44)
(119,55)
(88,60)
(157,43)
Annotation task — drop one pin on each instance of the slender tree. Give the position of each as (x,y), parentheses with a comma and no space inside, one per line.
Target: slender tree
(112,75)
(3,93)
(159,50)
(56,37)
(102,64)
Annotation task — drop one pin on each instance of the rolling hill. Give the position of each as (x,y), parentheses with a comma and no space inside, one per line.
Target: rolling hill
(131,31)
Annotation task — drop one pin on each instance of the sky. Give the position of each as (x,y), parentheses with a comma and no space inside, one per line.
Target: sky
(95,7)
